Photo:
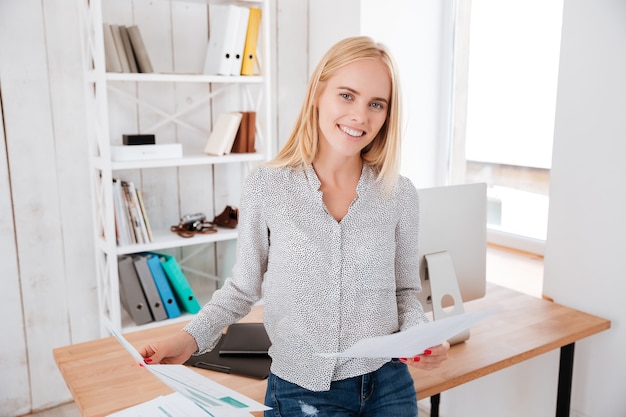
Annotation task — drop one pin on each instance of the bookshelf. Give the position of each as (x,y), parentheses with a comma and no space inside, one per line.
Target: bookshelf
(177,103)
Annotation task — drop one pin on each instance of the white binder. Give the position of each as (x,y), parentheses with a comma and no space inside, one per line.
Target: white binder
(223,24)
(240,41)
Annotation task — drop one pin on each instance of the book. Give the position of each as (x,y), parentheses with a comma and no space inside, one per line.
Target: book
(249,51)
(132,296)
(240,145)
(144,214)
(244,140)
(119,47)
(136,213)
(182,290)
(133,210)
(128,49)
(163,286)
(139,48)
(111,60)
(122,222)
(251,136)
(222,136)
(133,221)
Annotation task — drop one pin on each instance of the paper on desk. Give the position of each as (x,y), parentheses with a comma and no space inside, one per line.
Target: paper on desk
(412,341)
(214,398)
(174,404)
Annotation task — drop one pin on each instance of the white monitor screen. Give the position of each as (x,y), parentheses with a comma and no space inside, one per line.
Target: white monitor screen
(454,219)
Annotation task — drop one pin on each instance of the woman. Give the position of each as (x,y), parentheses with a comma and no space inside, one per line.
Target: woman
(328,235)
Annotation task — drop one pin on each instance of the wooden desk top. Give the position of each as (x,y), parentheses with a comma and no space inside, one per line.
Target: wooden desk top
(104,378)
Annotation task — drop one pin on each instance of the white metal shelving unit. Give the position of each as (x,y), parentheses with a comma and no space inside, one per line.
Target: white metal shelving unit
(252,93)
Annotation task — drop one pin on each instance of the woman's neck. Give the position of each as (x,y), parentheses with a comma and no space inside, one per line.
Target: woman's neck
(338,172)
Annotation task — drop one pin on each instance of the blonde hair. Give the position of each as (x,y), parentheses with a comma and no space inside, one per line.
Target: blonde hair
(383,152)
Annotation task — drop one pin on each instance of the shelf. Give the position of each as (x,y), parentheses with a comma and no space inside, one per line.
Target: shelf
(165,239)
(186,160)
(145,102)
(182,78)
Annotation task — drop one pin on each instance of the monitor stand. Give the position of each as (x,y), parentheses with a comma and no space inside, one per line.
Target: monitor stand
(445,292)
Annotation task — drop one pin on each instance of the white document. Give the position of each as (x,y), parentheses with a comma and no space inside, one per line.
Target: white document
(172,405)
(213,398)
(412,341)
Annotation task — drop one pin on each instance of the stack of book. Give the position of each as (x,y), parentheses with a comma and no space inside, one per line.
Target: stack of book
(154,288)
(233,34)
(131,222)
(233,132)
(124,49)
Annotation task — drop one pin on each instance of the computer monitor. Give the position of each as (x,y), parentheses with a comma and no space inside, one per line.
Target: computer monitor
(452,243)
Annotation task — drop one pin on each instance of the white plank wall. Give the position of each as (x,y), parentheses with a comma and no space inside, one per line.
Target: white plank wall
(14,384)
(49,198)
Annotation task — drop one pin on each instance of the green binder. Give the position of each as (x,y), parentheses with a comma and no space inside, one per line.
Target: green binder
(182,290)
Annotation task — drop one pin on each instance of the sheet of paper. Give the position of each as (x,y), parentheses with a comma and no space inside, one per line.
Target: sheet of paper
(204,391)
(214,398)
(174,404)
(412,341)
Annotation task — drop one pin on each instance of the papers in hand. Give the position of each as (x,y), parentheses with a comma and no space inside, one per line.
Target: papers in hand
(211,398)
(413,341)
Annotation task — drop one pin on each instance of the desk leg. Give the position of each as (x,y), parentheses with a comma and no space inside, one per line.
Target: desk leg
(564,393)
(434,405)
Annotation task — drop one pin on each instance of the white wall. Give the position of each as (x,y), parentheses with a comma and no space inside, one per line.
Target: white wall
(46,255)
(423,67)
(584,260)
(418,35)
(586,245)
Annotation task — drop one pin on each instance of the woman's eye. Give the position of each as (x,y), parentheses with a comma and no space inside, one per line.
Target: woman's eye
(347,96)
(377,106)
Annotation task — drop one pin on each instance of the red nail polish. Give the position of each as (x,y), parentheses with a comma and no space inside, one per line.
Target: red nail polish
(148,360)
(416,359)
(428,352)
(402,359)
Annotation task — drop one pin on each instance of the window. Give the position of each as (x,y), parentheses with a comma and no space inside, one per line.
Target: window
(511,62)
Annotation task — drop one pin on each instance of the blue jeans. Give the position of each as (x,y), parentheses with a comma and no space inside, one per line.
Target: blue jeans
(387,392)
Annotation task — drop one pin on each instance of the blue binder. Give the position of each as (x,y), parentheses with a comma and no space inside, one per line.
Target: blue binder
(163,286)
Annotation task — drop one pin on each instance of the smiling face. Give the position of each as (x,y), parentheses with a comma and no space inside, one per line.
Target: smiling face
(353,106)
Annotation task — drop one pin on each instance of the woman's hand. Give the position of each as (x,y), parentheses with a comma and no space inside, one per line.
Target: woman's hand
(175,350)
(431,358)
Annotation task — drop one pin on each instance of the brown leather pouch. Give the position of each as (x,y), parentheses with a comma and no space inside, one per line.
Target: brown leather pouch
(227,218)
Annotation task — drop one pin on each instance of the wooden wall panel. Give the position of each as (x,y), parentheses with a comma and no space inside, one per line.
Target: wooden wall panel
(35,196)
(14,384)
(71,150)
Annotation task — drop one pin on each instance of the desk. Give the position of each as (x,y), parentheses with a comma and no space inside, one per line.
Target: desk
(104,378)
